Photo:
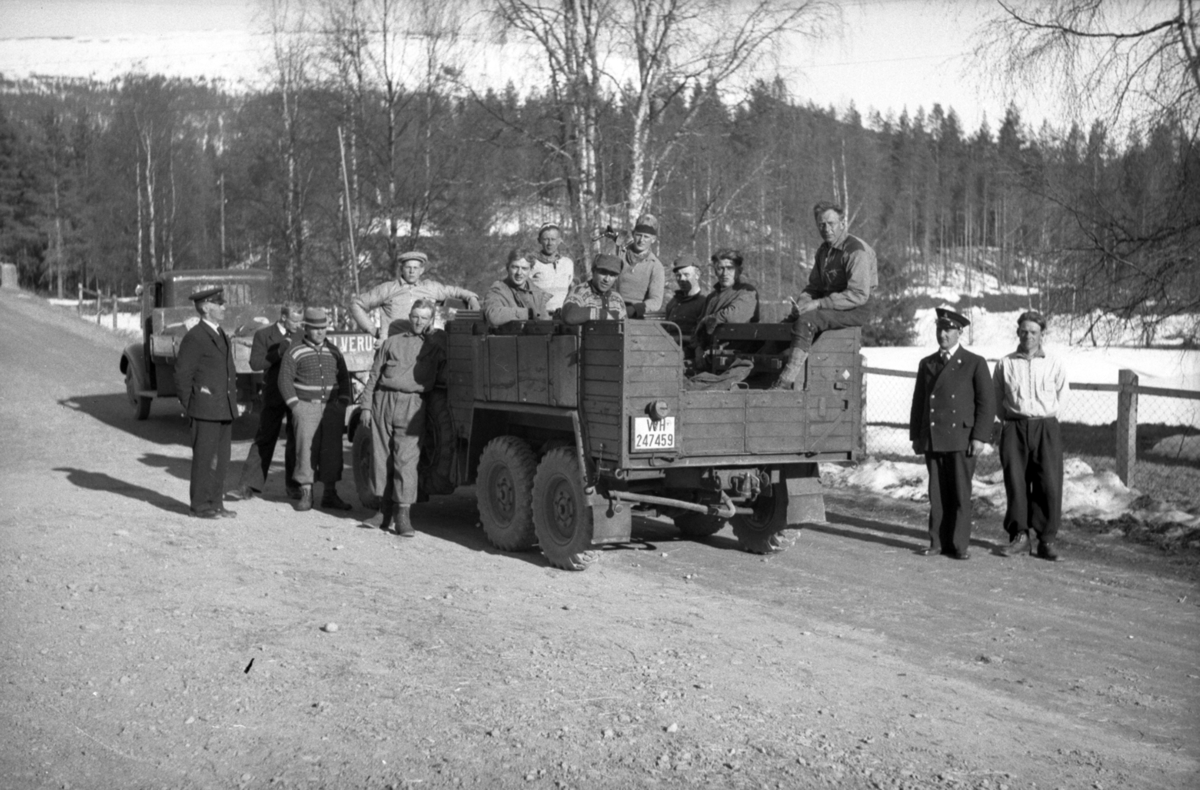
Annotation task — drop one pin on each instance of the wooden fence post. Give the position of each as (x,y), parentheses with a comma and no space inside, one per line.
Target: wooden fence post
(1127,403)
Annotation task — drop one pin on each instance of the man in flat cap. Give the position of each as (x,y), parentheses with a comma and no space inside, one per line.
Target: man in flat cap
(597,299)
(315,385)
(395,297)
(515,298)
(206,383)
(643,280)
(950,424)
(549,269)
(687,304)
(732,300)
(1029,390)
(838,294)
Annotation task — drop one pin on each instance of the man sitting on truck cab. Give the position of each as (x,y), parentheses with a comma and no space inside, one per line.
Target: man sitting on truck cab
(596,300)
(732,300)
(396,297)
(515,298)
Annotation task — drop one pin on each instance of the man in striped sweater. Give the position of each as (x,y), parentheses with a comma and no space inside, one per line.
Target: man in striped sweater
(315,384)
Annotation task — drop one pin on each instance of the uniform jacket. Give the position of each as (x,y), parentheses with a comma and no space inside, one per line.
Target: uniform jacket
(952,408)
(205,379)
(266,352)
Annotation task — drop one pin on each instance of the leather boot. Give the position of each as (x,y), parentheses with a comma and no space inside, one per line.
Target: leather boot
(794,369)
(305,502)
(331,501)
(404,527)
(1019,544)
(699,364)
(383,518)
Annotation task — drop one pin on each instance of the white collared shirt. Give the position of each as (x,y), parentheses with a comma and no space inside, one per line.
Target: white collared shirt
(1029,386)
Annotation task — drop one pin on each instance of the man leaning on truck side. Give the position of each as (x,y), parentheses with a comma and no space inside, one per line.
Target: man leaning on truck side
(265,355)
(206,383)
(516,297)
(838,294)
(396,297)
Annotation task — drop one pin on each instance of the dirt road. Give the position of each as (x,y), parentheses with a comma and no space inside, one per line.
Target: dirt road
(145,649)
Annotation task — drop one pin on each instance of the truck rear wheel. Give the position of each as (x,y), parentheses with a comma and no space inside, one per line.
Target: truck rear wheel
(698,525)
(766,531)
(503,489)
(562,515)
(140,403)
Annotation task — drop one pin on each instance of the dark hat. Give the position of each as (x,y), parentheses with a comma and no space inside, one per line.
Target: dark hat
(684,261)
(316,317)
(413,255)
(209,295)
(646,223)
(951,319)
(607,263)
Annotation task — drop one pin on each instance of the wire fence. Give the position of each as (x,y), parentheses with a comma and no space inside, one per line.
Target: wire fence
(1163,458)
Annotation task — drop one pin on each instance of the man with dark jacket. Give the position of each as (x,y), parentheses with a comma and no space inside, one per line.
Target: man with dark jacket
(732,300)
(951,424)
(687,305)
(315,385)
(515,298)
(206,383)
(265,355)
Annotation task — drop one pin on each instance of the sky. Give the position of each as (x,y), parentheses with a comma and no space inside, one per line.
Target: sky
(890,55)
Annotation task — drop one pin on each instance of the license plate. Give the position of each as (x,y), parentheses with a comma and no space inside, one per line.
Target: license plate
(651,434)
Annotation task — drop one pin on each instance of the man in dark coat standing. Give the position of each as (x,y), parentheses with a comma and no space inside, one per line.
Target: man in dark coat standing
(206,383)
(265,356)
(951,424)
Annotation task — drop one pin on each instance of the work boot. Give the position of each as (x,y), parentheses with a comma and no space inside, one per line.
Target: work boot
(331,501)
(242,493)
(1019,543)
(293,492)
(699,363)
(1046,552)
(404,527)
(305,502)
(793,370)
(383,518)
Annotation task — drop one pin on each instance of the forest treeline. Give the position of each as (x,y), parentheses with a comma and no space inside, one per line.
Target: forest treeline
(109,184)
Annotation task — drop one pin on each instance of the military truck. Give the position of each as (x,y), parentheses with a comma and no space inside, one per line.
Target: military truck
(567,432)
(167,315)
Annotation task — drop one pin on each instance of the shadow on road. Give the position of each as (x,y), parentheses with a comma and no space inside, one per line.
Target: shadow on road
(176,467)
(165,425)
(98,481)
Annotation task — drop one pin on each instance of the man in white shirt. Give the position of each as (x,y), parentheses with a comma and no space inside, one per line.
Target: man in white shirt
(1029,391)
(549,270)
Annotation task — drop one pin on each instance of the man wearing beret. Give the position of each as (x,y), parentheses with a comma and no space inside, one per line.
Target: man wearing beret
(642,281)
(687,305)
(549,269)
(206,383)
(838,294)
(315,385)
(515,298)
(597,299)
(950,424)
(395,297)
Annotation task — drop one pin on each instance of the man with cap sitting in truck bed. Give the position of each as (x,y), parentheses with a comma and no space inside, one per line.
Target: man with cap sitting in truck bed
(950,424)
(515,298)
(642,282)
(395,297)
(733,300)
(687,305)
(315,385)
(597,299)
(206,383)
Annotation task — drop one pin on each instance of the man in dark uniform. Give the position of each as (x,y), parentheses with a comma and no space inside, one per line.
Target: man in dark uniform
(950,424)
(687,305)
(265,356)
(206,383)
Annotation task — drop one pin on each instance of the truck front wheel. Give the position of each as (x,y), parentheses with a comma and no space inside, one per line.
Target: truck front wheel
(562,515)
(766,531)
(503,489)
(140,403)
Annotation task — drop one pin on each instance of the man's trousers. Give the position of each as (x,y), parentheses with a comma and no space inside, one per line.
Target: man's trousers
(950,500)
(1031,453)
(397,421)
(319,428)
(262,450)
(210,459)
(808,326)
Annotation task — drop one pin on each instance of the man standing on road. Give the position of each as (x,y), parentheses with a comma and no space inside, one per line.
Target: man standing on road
(549,270)
(206,382)
(838,293)
(642,281)
(407,365)
(1029,390)
(597,299)
(315,384)
(395,297)
(516,297)
(265,355)
(687,305)
(950,424)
